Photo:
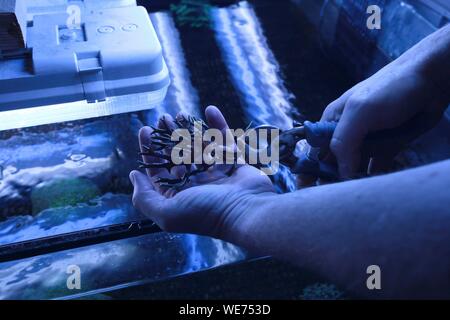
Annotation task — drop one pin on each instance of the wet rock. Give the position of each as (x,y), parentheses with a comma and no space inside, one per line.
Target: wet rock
(64,192)
(101,152)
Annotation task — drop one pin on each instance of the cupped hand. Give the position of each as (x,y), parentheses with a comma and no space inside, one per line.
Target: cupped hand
(212,204)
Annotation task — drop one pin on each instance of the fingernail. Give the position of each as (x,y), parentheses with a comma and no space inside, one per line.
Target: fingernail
(214,110)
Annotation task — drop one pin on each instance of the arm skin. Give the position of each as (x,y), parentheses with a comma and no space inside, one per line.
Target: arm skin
(398,221)
(432,58)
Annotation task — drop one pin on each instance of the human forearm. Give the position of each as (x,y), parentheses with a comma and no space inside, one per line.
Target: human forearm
(431,58)
(399,222)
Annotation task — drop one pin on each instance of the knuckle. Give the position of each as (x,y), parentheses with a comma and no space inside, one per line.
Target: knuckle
(356,104)
(328,113)
(332,112)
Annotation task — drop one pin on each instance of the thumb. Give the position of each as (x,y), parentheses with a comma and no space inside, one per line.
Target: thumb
(215,118)
(346,143)
(145,198)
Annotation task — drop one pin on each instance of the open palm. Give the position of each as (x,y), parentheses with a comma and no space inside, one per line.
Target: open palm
(210,204)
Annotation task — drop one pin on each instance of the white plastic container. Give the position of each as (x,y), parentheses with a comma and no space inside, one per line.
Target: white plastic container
(110,62)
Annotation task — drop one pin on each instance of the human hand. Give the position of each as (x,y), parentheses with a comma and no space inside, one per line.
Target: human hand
(386,100)
(212,204)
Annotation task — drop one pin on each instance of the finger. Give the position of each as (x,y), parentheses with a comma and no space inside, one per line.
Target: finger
(180,171)
(145,198)
(334,110)
(347,140)
(215,118)
(304,180)
(145,142)
(167,122)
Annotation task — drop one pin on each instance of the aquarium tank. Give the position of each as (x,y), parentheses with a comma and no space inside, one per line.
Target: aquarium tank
(65,195)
